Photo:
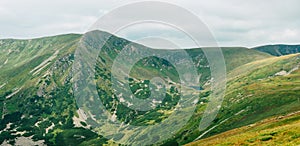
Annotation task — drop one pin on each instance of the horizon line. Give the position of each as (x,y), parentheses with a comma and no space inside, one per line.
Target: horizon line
(76,33)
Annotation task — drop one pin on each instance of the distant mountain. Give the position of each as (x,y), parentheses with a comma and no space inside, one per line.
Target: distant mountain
(237,56)
(279,50)
(37,102)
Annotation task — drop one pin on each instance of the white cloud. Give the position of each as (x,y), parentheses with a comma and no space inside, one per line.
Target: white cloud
(233,22)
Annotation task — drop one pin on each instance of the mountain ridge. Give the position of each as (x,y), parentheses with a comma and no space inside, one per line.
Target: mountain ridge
(37,77)
(279,49)
(80,34)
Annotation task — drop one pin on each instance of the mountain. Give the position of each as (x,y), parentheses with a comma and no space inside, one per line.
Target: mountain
(38,104)
(237,56)
(258,90)
(255,91)
(279,50)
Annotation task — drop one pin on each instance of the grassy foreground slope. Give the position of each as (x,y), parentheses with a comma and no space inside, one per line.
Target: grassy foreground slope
(259,90)
(280,130)
(255,91)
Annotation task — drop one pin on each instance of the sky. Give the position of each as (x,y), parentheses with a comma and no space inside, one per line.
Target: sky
(232,22)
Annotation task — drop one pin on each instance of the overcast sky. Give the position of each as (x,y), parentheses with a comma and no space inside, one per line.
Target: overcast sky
(232,22)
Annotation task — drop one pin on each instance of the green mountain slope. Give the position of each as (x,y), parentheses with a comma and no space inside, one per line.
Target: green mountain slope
(38,106)
(237,56)
(255,91)
(279,50)
(261,89)
(280,130)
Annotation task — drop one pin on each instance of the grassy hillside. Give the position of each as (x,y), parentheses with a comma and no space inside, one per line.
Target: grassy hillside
(259,90)
(280,130)
(23,60)
(37,102)
(255,91)
(279,50)
(237,56)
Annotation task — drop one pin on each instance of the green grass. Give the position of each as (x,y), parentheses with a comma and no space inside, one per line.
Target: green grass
(266,132)
(254,91)
(238,56)
(260,94)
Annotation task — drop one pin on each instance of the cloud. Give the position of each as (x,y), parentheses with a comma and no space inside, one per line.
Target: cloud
(233,22)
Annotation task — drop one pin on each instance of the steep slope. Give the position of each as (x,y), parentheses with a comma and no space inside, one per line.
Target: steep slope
(258,90)
(24,59)
(279,50)
(37,105)
(237,56)
(280,130)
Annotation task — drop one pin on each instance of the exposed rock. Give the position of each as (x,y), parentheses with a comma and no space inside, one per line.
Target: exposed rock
(281,73)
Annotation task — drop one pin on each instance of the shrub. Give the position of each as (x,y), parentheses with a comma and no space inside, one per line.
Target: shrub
(265,138)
